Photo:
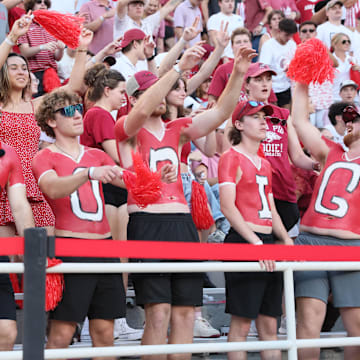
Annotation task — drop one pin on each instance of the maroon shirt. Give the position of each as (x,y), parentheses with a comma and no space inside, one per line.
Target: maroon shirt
(254,13)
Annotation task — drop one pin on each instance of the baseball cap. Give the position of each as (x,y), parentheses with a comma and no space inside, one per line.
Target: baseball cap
(348,83)
(140,81)
(257,69)
(130,35)
(250,108)
(332,3)
(137,1)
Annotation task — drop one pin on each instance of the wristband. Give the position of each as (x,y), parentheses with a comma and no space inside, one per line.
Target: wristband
(93,60)
(151,58)
(261,23)
(177,69)
(10,42)
(259,242)
(42,47)
(101,18)
(90,172)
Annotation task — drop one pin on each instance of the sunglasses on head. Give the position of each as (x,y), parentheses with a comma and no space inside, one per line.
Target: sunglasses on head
(69,111)
(276,121)
(304,31)
(252,103)
(350,114)
(346,41)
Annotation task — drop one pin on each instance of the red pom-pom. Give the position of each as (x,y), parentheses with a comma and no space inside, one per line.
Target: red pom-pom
(54,286)
(64,27)
(51,80)
(311,63)
(199,207)
(145,185)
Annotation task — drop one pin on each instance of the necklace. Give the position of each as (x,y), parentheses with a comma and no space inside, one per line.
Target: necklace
(65,152)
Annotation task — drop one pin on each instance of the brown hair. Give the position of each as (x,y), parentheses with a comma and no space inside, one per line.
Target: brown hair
(29,4)
(235,134)
(274,12)
(128,47)
(5,87)
(180,109)
(98,77)
(240,31)
(51,102)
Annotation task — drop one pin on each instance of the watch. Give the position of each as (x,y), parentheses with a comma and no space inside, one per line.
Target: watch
(261,23)
(177,69)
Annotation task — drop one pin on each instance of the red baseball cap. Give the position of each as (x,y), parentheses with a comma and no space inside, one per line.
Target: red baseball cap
(250,108)
(140,81)
(256,69)
(130,35)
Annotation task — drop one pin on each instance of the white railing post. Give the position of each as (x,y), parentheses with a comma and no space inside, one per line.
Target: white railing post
(290,312)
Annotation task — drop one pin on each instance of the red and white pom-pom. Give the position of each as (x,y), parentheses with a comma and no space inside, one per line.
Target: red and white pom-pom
(144,185)
(64,27)
(51,80)
(311,63)
(199,207)
(54,286)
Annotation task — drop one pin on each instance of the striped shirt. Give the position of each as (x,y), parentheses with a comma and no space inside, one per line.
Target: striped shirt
(36,36)
(350,18)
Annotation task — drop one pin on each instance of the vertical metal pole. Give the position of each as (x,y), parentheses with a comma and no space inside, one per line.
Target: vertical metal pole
(290,312)
(34,294)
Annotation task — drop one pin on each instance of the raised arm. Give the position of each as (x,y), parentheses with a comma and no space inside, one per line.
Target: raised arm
(169,7)
(153,96)
(308,134)
(110,49)
(221,40)
(121,8)
(209,120)
(20,27)
(174,53)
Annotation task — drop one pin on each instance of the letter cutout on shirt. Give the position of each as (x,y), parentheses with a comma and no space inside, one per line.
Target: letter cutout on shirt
(265,212)
(163,154)
(342,204)
(76,203)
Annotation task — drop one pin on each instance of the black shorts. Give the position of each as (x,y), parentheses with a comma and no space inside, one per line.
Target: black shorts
(184,289)
(289,213)
(284,97)
(114,195)
(98,296)
(249,294)
(169,32)
(7,299)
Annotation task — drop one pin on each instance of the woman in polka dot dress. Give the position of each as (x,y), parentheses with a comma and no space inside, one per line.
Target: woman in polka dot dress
(18,127)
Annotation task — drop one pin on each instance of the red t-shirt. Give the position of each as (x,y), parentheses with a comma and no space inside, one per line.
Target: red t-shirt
(157,152)
(83,211)
(306,9)
(10,168)
(99,126)
(275,148)
(253,188)
(254,13)
(336,197)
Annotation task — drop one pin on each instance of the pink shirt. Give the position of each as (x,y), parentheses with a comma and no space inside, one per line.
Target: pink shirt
(254,12)
(284,5)
(91,11)
(185,15)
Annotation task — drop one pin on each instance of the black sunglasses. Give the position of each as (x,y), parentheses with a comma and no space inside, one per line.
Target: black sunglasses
(276,121)
(304,31)
(350,114)
(69,111)
(346,41)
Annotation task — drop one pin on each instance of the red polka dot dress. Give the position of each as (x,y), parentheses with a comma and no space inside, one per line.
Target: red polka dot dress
(21,131)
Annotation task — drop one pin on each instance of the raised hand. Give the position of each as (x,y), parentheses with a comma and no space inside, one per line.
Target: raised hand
(85,38)
(192,56)
(192,32)
(113,47)
(222,37)
(243,59)
(20,27)
(149,47)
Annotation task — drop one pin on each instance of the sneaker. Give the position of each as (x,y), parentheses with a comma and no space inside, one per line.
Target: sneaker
(85,334)
(122,331)
(216,237)
(203,329)
(253,330)
(282,328)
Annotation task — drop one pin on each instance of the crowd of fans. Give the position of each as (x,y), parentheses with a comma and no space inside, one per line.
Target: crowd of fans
(203,61)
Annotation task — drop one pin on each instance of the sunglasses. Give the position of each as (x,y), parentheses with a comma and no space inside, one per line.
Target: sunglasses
(69,111)
(304,31)
(42,2)
(346,41)
(350,114)
(276,121)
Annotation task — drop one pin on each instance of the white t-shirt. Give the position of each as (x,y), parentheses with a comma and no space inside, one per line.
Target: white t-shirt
(234,21)
(63,6)
(342,73)
(326,31)
(148,25)
(65,66)
(278,57)
(126,67)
